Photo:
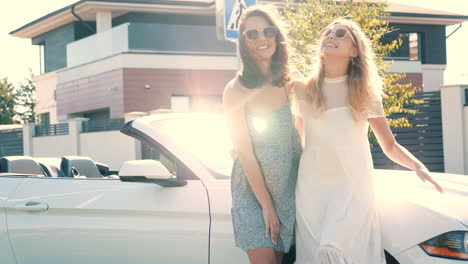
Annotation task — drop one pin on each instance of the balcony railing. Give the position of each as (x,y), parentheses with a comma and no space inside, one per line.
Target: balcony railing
(51,130)
(148,38)
(102,125)
(98,46)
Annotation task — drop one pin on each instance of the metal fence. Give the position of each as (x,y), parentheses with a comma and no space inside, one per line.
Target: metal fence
(102,125)
(11,142)
(466,97)
(51,130)
(423,139)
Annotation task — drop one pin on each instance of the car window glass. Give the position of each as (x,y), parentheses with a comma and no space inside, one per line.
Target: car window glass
(206,138)
(173,166)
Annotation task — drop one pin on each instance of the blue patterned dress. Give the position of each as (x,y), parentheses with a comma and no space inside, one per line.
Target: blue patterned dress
(277,148)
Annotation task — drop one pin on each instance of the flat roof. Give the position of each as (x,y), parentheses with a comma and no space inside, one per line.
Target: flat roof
(399,13)
(402,9)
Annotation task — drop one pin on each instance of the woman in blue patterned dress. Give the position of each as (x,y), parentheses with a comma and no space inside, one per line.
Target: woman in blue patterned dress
(265,140)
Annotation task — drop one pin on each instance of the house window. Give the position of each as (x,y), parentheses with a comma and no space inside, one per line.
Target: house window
(44,118)
(102,114)
(414,46)
(180,103)
(96,114)
(41,58)
(410,48)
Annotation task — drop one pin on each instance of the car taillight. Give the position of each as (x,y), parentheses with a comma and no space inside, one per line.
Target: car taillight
(453,245)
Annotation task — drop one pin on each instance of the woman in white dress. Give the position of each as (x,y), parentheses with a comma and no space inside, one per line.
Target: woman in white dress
(337,220)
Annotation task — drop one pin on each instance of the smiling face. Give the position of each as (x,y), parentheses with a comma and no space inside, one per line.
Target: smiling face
(263,47)
(340,47)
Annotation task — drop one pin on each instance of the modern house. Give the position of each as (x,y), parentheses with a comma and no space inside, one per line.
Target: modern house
(103,58)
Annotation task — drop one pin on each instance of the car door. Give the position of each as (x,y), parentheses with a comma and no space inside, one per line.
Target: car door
(72,220)
(8,184)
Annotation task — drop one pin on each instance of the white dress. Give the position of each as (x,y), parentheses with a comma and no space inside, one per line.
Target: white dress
(336,217)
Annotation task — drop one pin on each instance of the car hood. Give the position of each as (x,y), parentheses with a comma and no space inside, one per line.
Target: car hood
(408,187)
(455,197)
(412,211)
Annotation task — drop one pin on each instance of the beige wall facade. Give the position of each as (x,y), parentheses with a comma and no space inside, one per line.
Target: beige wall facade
(109,147)
(45,95)
(52,146)
(454,124)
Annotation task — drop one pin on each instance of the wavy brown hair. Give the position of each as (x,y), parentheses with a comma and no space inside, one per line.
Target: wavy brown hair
(250,75)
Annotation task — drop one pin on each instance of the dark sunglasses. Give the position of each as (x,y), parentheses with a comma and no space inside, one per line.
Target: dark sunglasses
(253,34)
(339,34)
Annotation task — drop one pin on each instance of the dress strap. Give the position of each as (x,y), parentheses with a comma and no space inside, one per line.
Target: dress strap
(287,93)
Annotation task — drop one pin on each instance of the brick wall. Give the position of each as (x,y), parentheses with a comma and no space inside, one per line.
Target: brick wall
(94,92)
(201,85)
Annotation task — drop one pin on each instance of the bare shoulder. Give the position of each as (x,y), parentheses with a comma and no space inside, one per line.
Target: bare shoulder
(299,89)
(232,92)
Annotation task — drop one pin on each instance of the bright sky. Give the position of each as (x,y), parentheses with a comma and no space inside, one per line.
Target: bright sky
(19,55)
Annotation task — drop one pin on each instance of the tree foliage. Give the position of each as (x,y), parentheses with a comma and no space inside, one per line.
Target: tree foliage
(7,102)
(306,19)
(17,105)
(25,100)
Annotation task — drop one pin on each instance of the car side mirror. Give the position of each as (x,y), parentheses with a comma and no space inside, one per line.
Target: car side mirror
(149,171)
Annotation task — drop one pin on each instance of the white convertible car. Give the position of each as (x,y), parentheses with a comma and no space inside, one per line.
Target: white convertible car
(175,208)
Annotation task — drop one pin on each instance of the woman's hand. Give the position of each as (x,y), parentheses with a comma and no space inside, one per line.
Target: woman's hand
(290,86)
(423,174)
(397,153)
(272,224)
(297,80)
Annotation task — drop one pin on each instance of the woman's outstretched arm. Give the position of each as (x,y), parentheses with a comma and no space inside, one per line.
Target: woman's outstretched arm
(398,153)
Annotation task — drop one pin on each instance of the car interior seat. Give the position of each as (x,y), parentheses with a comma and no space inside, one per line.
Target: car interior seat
(51,166)
(20,164)
(84,166)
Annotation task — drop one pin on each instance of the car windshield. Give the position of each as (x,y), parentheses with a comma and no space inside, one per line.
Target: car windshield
(205,137)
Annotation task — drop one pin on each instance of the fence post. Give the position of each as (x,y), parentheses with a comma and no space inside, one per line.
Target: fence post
(453,119)
(28,133)
(129,117)
(74,131)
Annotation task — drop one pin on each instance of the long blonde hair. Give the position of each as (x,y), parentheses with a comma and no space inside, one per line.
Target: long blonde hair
(364,82)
